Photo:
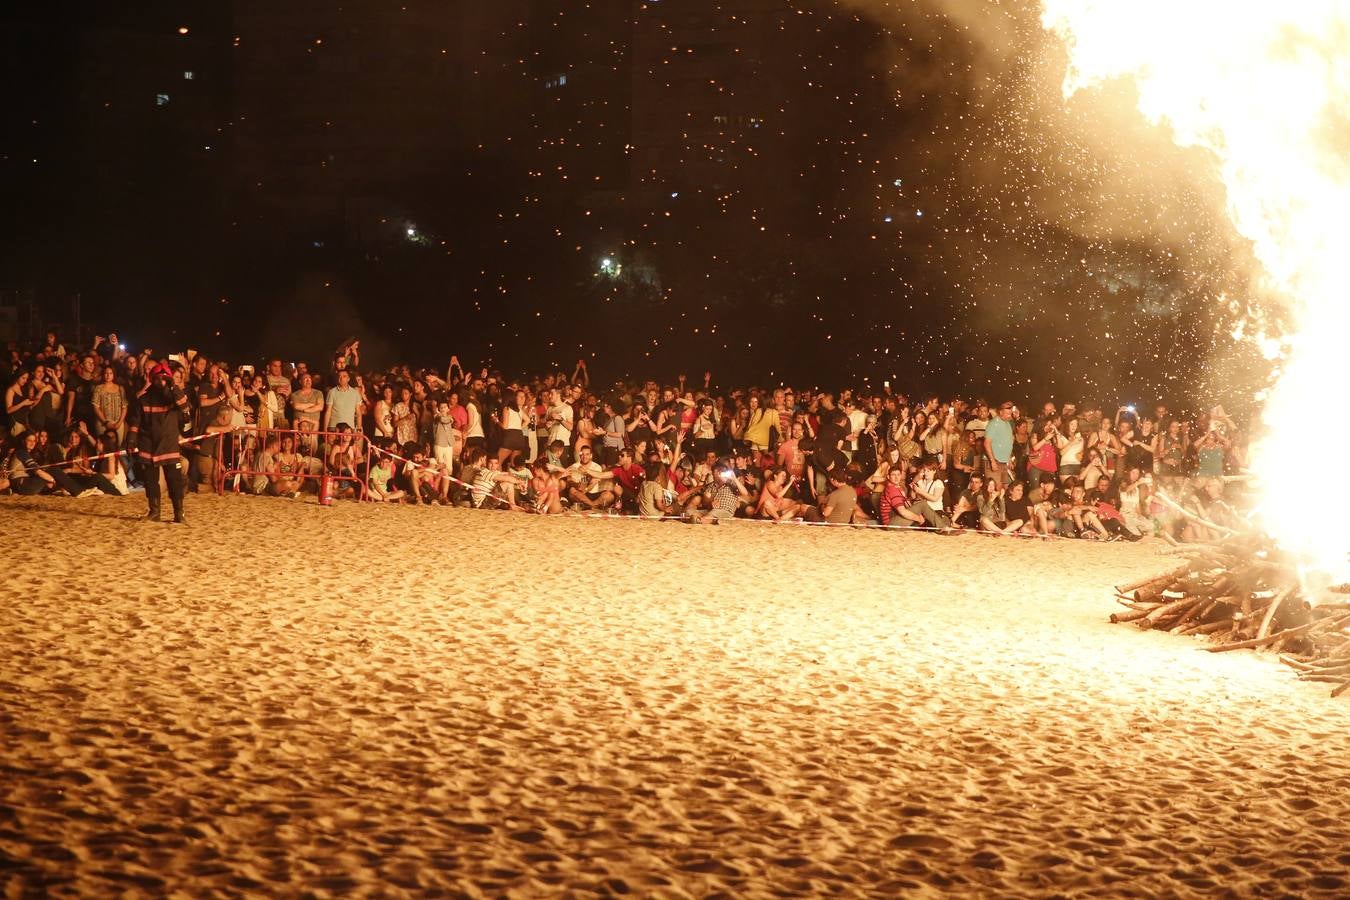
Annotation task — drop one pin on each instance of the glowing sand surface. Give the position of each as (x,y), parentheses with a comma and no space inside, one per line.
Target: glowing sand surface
(287,698)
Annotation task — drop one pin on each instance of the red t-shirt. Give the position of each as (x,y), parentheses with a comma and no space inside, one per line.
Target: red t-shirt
(630,478)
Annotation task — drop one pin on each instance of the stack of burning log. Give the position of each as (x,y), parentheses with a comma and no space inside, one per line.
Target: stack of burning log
(1243,593)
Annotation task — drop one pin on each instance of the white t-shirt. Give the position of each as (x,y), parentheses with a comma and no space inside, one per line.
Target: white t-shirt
(561,417)
(935,486)
(856,420)
(587,477)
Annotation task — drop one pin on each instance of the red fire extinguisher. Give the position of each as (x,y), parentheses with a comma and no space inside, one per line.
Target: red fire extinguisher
(325,491)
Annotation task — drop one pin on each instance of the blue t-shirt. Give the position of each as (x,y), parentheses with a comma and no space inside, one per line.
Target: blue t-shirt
(999,434)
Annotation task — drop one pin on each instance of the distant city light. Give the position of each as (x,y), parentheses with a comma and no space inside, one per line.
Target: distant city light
(412,231)
(674,195)
(919,213)
(183,29)
(887,219)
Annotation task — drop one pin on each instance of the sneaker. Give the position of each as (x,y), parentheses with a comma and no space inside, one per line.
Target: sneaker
(87,492)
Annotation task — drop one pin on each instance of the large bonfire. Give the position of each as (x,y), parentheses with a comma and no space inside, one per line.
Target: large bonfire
(1265,89)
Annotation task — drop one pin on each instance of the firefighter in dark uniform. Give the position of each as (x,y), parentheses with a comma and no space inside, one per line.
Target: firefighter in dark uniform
(164,415)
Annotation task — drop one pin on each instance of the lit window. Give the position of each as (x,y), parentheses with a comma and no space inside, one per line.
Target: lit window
(562,79)
(161,99)
(187,76)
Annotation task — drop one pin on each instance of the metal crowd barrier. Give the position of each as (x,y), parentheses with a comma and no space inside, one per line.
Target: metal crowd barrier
(246,442)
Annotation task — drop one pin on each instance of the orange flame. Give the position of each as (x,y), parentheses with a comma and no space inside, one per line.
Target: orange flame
(1265,88)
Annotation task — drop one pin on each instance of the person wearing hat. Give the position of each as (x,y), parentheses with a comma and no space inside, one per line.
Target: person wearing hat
(163,417)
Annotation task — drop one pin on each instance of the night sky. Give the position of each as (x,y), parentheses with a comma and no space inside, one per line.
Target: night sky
(822,192)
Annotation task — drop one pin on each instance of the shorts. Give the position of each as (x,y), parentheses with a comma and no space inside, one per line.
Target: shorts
(444,456)
(1000,474)
(1069,470)
(514,439)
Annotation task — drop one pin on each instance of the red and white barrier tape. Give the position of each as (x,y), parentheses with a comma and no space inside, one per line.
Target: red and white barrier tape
(64,463)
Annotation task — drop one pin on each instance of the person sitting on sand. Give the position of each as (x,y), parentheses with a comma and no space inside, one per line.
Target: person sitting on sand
(655,500)
(894,503)
(726,497)
(927,490)
(586,481)
(993,510)
(966,513)
(839,505)
(546,488)
(774,502)
(379,485)
(289,466)
(491,481)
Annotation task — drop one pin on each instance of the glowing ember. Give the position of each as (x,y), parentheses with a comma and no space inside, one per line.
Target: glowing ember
(1265,87)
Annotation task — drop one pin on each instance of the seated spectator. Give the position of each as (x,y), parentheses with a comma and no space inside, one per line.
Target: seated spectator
(423,482)
(111,464)
(491,481)
(628,477)
(587,481)
(1135,493)
(966,512)
(264,464)
(655,500)
(79,467)
(289,467)
(380,483)
(725,496)
(841,504)
(893,506)
(1087,523)
(343,462)
(774,502)
(927,492)
(993,511)
(26,477)
(545,488)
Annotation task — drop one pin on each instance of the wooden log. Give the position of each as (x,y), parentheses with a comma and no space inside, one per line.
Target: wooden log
(1270,611)
(1117,618)
(1207,627)
(1270,638)
(1144,582)
(1164,610)
(1261,641)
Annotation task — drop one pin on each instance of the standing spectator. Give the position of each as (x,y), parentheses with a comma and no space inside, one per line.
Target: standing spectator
(280,385)
(512,419)
(343,405)
(307,405)
(613,431)
(998,444)
(383,418)
(80,393)
(18,404)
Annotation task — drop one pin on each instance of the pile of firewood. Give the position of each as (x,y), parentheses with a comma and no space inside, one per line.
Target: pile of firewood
(1243,593)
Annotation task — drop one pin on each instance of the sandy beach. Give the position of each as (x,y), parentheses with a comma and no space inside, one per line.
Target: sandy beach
(282,698)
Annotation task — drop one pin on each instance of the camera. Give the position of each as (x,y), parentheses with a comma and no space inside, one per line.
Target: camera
(727,474)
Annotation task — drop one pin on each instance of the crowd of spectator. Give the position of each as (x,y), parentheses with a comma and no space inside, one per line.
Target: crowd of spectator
(690,450)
